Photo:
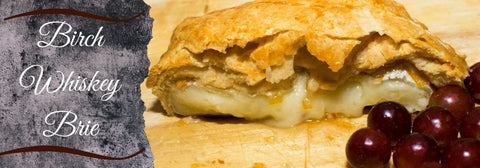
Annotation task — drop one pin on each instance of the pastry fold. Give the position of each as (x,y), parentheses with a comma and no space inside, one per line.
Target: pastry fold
(268,48)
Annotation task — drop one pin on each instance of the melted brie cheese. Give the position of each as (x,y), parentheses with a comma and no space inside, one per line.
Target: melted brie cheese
(297,105)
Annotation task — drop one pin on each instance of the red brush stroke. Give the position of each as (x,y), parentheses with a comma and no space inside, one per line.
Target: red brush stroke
(73,12)
(67,150)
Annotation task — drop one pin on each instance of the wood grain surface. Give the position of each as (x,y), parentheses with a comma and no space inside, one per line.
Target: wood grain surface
(224,142)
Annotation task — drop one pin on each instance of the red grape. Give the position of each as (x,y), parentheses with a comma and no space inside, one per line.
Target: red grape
(391,118)
(454,98)
(437,123)
(368,147)
(461,153)
(415,150)
(470,126)
(473,81)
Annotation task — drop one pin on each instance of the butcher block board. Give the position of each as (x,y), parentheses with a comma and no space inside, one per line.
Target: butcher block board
(179,142)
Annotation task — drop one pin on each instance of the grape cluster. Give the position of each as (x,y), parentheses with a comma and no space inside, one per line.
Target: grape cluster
(446,134)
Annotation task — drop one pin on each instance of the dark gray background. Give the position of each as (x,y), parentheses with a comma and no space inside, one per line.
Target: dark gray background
(123,56)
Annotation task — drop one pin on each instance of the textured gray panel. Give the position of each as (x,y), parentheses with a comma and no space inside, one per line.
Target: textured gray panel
(123,56)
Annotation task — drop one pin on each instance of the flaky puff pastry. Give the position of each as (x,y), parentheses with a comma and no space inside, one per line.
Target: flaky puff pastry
(260,44)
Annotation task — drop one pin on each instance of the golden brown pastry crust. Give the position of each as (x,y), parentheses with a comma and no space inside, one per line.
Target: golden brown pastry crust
(350,36)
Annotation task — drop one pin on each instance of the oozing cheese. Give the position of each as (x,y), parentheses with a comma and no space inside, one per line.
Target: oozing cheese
(297,105)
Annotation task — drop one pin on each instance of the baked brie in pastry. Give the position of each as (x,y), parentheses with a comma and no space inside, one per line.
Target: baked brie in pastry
(286,61)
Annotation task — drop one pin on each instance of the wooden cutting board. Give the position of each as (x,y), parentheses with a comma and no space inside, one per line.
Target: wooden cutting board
(188,142)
